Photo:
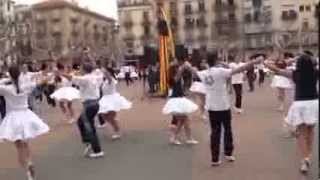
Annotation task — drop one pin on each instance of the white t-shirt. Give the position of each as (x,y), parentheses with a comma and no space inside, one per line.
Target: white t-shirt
(237,78)
(215,82)
(89,85)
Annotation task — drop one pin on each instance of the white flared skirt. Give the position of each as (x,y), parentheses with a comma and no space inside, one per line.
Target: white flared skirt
(179,106)
(281,82)
(22,125)
(113,102)
(198,87)
(303,112)
(66,94)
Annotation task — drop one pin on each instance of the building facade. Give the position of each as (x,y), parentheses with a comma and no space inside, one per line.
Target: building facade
(197,25)
(64,28)
(290,24)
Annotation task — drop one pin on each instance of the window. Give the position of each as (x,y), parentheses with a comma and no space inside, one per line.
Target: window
(147,30)
(232,16)
(301,8)
(188,9)
(308,8)
(231,2)
(202,6)
(305,25)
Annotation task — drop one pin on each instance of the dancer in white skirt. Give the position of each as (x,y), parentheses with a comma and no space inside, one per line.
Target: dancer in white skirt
(281,83)
(112,102)
(65,94)
(304,112)
(179,107)
(20,124)
(199,90)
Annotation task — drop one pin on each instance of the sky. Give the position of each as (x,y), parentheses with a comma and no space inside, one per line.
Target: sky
(105,7)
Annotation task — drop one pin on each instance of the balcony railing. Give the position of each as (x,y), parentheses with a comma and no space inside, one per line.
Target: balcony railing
(128,24)
(289,15)
(223,6)
(125,3)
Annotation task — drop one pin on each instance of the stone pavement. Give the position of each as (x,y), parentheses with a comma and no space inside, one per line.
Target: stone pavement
(261,150)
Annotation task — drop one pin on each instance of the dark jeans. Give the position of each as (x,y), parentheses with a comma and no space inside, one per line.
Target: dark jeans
(238,92)
(261,77)
(217,120)
(128,79)
(86,125)
(251,79)
(48,90)
(2,107)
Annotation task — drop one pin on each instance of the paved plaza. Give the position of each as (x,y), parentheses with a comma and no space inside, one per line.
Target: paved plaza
(262,152)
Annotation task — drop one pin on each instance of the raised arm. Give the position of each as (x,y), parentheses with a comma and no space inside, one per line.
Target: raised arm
(278,71)
(247,66)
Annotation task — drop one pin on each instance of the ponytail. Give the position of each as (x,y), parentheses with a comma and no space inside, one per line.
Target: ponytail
(14,72)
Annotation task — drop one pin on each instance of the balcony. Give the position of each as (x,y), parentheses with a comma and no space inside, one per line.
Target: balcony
(128,24)
(125,3)
(74,20)
(290,15)
(201,23)
(223,6)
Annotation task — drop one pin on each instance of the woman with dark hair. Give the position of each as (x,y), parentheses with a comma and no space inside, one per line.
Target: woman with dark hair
(65,94)
(179,106)
(112,102)
(20,124)
(282,84)
(304,112)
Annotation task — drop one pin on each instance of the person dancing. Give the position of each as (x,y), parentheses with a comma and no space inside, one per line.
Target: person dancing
(65,94)
(281,83)
(304,112)
(111,102)
(179,106)
(20,124)
(88,84)
(218,105)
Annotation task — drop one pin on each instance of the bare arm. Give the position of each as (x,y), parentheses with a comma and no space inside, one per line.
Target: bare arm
(246,66)
(278,71)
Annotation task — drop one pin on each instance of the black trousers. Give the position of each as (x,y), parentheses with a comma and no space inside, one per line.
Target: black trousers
(261,76)
(48,90)
(2,107)
(128,79)
(251,79)
(219,119)
(86,125)
(238,92)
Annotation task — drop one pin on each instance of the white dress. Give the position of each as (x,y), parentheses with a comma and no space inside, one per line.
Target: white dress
(112,100)
(198,87)
(65,91)
(20,123)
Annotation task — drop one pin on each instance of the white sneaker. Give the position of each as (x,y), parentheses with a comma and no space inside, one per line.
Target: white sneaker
(175,141)
(116,137)
(87,150)
(215,164)
(99,126)
(71,121)
(304,168)
(192,142)
(31,172)
(96,155)
(230,158)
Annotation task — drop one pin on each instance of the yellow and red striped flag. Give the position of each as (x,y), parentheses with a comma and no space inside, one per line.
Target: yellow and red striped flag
(166,51)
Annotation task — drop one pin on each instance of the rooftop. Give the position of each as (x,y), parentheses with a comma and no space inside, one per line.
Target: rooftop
(55,4)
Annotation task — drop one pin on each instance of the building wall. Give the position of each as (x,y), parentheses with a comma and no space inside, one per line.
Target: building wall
(72,29)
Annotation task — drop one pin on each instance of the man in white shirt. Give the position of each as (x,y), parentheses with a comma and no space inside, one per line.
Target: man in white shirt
(237,84)
(89,88)
(218,105)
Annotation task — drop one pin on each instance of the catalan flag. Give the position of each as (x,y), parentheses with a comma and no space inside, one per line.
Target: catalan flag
(166,51)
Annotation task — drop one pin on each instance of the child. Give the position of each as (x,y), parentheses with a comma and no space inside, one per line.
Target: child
(111,102)
(65,94)
(20,124)
(304,112)
(179,107)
